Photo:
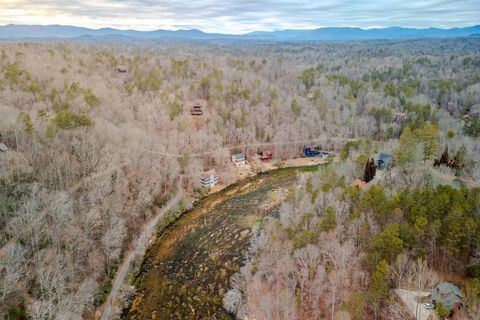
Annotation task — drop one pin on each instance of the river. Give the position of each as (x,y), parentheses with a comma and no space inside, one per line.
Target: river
(186,271)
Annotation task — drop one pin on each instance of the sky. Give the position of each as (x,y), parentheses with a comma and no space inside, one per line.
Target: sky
(241,16)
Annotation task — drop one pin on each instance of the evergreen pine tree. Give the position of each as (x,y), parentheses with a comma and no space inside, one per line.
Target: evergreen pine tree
(366,174)
(445,157)
(370,170)
(373,168)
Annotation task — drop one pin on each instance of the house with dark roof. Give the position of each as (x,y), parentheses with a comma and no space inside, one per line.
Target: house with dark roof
(384,160)
(450,296)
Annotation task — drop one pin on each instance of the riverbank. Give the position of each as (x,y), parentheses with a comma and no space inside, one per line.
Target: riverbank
(262,167)
(164,219)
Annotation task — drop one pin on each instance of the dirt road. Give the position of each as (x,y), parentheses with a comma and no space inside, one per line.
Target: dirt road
(138,249)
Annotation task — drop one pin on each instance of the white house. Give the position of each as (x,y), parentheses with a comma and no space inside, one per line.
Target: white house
(239,159)
(209,178)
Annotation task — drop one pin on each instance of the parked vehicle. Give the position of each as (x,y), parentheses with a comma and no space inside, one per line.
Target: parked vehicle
(429,306)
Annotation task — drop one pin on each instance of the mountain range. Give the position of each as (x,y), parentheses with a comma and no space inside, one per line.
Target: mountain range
(15,31)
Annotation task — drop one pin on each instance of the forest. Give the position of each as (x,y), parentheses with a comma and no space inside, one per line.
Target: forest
(98,136)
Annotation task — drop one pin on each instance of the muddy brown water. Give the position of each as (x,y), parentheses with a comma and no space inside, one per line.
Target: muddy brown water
(186,271)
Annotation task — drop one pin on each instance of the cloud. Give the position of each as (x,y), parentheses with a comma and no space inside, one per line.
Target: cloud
(240,16)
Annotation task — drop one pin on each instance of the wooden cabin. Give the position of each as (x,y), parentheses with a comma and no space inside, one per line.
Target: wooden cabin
(197,107)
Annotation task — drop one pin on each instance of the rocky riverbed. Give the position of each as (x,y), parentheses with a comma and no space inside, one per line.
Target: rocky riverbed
(186,271)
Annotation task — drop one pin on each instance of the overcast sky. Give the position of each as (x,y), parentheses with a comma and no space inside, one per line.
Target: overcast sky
(241,16)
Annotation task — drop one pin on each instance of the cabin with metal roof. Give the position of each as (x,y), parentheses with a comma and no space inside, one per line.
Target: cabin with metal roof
(450,296)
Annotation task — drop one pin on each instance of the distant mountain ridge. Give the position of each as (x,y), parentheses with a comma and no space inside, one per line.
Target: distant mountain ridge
(13,31)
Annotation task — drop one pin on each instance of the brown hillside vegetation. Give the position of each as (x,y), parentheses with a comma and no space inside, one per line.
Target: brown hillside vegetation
(92,151)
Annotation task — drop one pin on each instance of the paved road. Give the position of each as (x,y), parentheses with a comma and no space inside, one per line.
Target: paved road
(139,249)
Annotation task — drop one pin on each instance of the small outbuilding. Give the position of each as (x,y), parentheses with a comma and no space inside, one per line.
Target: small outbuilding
(450,296)
(208,179)
(3,148)
(384,160)
(239,159)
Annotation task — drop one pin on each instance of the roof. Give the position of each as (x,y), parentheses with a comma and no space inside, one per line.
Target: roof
(361,184)
(238,156)
(199,102)
(207,174)
(448,294)
(385,156)
(3,147)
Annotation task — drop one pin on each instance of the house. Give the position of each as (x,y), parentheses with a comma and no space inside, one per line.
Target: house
(239,159)
(384,161)
(361,184)
(197,107)
(122,69)
(399,117)
(450,296)
(209,178)
(266,155)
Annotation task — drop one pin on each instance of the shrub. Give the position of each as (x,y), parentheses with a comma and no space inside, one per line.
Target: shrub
(91,99)
(102,293)
(69,120)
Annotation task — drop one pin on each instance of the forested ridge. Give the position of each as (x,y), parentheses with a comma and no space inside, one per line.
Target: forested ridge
(93,153)
(335,248)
